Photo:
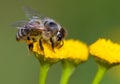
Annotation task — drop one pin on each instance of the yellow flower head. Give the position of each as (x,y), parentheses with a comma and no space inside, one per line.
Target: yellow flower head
(106,50)
(71,50)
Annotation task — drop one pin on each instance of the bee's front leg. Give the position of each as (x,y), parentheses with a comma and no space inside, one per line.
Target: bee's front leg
(61,44)
(52,44)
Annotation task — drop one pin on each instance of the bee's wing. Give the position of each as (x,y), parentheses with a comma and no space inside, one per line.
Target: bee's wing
(19,24)
(32,13)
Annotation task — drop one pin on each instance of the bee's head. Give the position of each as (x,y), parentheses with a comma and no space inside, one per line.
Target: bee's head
(61,34)
(52,26)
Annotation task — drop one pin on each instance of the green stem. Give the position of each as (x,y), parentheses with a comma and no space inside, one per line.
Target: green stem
(100,73)
(43,72)
(68,69)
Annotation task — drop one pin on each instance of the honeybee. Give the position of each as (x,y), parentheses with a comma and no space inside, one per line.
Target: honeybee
(39,28)
(29,31)
(53,33)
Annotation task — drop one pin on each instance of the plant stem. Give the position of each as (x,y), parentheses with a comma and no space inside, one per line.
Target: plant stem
(68,69)
(100,73)
(43,72)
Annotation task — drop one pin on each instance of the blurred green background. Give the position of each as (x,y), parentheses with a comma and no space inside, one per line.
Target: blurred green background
(86,20)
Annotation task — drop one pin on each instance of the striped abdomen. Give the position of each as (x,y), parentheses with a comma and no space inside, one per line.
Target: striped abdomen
(22,34)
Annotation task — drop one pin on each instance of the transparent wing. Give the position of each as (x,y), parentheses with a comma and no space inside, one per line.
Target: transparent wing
(19,24)
(32,13)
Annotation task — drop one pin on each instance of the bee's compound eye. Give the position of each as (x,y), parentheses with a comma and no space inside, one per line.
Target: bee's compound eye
(52,24)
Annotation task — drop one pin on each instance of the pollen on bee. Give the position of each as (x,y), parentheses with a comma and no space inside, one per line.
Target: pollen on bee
(29,41)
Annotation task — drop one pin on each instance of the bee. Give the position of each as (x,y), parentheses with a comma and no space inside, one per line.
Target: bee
(39,28)
(53,33)
(29,31)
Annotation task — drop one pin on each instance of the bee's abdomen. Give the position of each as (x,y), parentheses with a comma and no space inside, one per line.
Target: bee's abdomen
(22,34)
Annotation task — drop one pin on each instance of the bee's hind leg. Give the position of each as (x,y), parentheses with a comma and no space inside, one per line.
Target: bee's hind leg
(30,44)
(40,44)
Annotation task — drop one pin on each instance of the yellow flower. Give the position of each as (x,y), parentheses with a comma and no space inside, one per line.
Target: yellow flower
(106,50)
(71,50)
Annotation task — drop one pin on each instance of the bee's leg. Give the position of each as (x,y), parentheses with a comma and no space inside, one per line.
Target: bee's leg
(61,44)
(33,39)
(30,44)
(52,44)
(40,43)
(30,48)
